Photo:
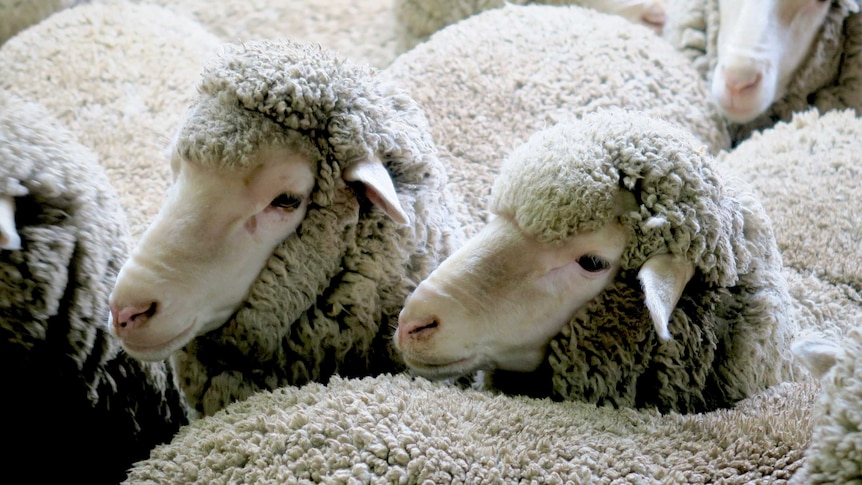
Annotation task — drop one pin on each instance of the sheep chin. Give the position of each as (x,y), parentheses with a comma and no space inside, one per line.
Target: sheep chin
(161,351)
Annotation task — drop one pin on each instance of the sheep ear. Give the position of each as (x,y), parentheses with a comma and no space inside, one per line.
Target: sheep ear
(9,238)
(817,354)
(663,277)
(378,187)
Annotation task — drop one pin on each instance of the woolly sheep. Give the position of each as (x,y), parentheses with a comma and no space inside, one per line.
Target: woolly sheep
(422,18)
(119,76)
(767,59)
(16,15)
(72,391)
(308,202)
(590,218)
(501,75)
(365,31)
(835,452)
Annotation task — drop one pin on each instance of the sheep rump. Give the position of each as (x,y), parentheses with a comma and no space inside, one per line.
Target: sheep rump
(326,299)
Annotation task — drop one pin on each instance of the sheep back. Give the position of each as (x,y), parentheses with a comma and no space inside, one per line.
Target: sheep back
(490,81)
(731,327)
(326,299)
(120,76)
(64,375)
(827,79)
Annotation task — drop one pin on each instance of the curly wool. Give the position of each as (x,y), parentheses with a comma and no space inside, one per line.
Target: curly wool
(511,71)
(835,452)
(325,301)
(827,79)
(68,376)
(731,326)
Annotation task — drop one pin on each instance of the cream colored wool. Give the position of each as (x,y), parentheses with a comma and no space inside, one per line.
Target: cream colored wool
(362,30)
(828,78)
(17,15)
(422,18)
(835,452)
(67,384)
(120,76)
(388,429)
(489,82)
(328,295)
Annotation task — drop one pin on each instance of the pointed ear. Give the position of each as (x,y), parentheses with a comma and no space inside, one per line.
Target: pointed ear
(9,238)
(817,354)
(378,187)
(663,277)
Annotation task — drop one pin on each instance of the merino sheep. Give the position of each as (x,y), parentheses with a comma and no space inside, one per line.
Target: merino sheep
(835,452)
(591,218)
(119,76)
(74,395)
(767,59)
(16,15)
(422,18)
(307,204)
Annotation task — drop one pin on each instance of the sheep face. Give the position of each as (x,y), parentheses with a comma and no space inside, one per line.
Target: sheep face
(761,43)
(196,261)
(651,13)
(470,313)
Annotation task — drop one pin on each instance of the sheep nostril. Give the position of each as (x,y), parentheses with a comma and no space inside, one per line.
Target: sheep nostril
(424,328)
(133,316)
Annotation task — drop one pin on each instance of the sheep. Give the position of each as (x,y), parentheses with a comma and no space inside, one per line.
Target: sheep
(307,203)
(421,18)
(16,15)
(362,30)
(835,452)
(74,393)
(492,80)
(766,60)
(119,76)
(645,279)
(394,429)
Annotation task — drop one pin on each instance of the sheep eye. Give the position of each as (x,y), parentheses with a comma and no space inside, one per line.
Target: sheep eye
(286,201)
(593,264)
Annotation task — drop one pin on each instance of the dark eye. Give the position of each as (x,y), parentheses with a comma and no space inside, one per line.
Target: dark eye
(593,264)
(286,201)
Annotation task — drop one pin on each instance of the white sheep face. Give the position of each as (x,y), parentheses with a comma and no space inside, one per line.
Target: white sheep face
(196,262)
(761,43)
(498,300)
(651,13)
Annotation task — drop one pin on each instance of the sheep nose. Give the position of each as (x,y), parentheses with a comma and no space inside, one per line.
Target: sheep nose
(131,317)
(655,17)
(739,80)
(417,329)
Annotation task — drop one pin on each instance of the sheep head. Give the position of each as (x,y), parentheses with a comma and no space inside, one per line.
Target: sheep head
(763,49)
(577,208)
(278,151)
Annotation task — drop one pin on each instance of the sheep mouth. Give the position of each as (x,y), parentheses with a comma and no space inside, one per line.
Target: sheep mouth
(159,351)
(442,370)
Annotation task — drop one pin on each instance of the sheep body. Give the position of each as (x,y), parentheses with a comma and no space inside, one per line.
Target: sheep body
(511,71)
(64,375)
(827,77)
(422,17)
(100,68)
(327,294)
(731,326)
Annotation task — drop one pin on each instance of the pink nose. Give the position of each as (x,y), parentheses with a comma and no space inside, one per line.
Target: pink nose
(416,329)
(655,17)
(741,80)
(131,317)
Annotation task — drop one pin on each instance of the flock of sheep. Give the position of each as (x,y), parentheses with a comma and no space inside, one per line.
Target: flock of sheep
(539,199)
